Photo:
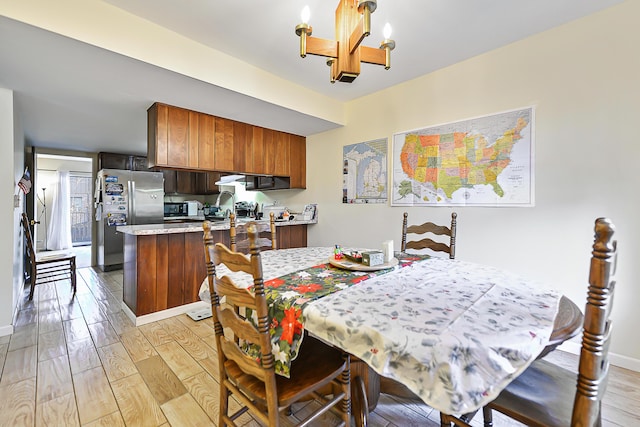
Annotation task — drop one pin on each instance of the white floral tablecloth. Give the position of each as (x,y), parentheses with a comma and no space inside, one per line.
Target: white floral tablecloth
(455,333)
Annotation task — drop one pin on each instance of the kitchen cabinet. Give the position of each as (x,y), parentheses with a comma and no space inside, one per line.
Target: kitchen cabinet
(122,161)
(165,270)
(188,140)
(223,145)
(179,182)
(206,182)
(292,236)
(185,182)
(298,161)
(242,150)
(172,137)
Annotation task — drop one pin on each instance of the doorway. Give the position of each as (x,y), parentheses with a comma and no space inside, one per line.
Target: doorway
(64,188)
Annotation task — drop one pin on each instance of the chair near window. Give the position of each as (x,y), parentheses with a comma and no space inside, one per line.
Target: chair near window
(546,395)
(46,268)
(240,230)
(428,243)
(254,383)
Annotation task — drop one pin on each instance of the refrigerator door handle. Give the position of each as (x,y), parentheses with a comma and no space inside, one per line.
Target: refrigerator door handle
(131,204)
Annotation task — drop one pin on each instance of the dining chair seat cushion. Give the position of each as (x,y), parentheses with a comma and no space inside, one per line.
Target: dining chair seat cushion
(316,365)
(541,393)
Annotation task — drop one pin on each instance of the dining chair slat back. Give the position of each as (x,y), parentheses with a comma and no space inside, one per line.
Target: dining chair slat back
(253,381)
(426,242)
(47,268)
(547,395)
(240,241)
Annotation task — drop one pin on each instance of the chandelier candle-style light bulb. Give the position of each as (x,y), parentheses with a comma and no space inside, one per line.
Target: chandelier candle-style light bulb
(305,14)
(388,45)
(386,31)
(303,30)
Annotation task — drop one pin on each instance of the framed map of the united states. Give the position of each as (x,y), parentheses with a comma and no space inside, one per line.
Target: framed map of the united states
(484,161)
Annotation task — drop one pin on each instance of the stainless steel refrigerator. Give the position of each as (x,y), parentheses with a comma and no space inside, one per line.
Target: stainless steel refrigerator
(125,198)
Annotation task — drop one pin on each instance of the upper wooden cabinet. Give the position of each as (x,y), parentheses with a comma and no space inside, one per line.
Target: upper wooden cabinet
(122,161)
(183,139)
(298,161)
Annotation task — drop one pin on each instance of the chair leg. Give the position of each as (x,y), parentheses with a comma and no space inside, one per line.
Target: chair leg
(488,416)
(73,275)
(34,278)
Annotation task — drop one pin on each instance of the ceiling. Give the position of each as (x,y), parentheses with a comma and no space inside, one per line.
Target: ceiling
(77,96)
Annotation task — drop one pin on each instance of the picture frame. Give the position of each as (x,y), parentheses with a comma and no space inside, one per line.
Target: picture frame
(309,212)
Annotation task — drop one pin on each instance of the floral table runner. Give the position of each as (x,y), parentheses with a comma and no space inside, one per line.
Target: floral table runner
(288,295)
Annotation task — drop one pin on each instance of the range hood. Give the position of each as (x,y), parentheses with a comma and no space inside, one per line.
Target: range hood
(229,179)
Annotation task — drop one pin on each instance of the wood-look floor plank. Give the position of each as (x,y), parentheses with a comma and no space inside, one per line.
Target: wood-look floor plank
(82,355)
(193,344)
(206,391)
(137,345)
(24,336)
(48,306)
(76,329)
(112,420)
(202,328)
(120,322)
(161,380)
(93,395)
(172,325)
(156,334)
(70,310)
(61,411)
(210,364)
(49,321)
(185,411)
(54,378)
(19,365)
(26,317)
(137,404)
(116,361)
(179,360)
(18,403)
(51,345)
(103,334)
(3,355)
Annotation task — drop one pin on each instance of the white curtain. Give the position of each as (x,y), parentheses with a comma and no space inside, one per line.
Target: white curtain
(59,232)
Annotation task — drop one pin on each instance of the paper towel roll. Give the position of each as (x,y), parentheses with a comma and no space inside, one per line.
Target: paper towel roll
(387,249)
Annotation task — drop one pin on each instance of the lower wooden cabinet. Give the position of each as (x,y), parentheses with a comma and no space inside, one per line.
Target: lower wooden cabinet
(163,271)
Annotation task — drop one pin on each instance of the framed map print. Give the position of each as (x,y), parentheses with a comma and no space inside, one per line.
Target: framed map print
(364,172)
(485,161)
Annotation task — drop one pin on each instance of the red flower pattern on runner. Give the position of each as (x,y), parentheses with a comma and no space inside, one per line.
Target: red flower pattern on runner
(308,288)
(274,283)
(290,324)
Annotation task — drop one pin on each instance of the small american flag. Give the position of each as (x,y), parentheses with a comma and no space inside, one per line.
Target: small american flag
(25,182)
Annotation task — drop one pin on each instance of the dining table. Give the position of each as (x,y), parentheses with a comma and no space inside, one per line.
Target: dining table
(449,332)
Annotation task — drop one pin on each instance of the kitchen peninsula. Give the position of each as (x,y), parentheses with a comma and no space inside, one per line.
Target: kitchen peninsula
(164,265)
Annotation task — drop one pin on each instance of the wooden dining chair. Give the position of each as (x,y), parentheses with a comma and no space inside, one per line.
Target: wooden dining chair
(547,395)
(46,268)
(428,243)
(254,383)
(267,237)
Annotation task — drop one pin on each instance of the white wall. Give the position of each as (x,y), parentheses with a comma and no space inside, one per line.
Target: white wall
(11,147)
(584,80)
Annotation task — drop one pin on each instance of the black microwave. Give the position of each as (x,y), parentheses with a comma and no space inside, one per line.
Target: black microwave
(175,209)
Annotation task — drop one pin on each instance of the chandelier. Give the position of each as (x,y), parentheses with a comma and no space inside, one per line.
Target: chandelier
(353,24)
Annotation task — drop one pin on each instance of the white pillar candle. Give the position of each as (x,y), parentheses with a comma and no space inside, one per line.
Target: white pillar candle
(387,249)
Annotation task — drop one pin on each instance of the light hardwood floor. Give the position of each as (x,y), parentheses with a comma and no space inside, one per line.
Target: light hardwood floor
(80,361)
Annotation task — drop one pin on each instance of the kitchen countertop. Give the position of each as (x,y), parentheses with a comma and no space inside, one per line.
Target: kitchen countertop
(192,227)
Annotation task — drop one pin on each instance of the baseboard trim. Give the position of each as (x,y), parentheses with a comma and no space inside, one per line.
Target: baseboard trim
(164,314)
(615,359)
